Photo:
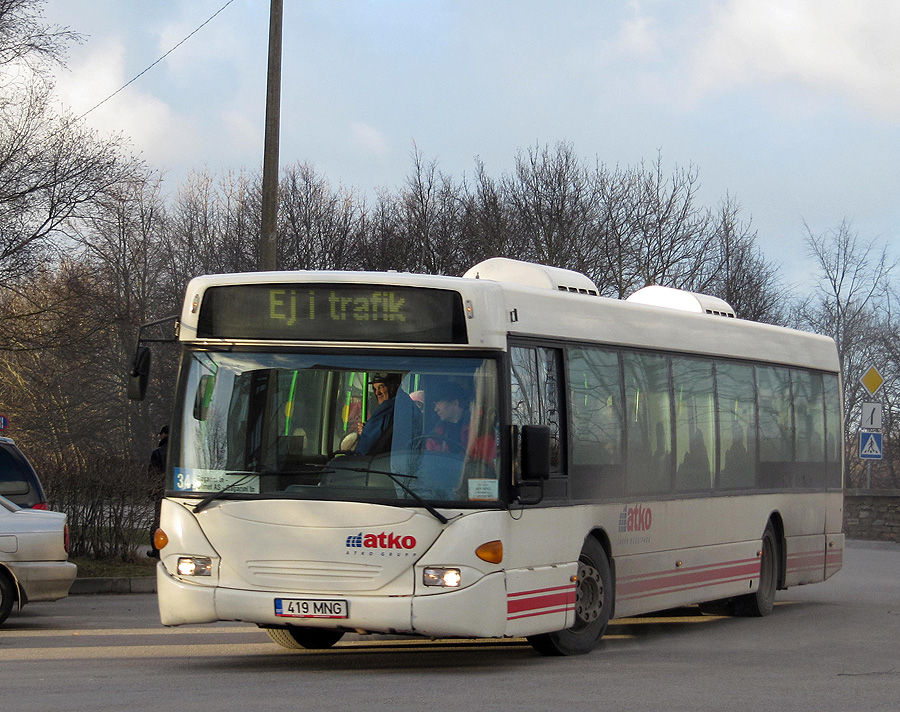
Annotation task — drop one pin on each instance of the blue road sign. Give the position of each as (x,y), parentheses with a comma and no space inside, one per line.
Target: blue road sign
(870,446)
(4,422)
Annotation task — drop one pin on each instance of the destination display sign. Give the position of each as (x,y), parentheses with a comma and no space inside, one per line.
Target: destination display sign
(329,312)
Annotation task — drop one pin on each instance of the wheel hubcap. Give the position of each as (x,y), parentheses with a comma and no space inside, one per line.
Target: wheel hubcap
(588,595)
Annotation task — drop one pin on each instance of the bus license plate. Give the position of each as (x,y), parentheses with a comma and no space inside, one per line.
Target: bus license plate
(310,608)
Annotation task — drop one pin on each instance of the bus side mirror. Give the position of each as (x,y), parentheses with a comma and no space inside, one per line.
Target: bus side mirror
(535,453)
(140,372)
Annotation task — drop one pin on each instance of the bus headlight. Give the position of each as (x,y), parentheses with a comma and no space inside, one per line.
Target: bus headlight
(194,566)
(447,578)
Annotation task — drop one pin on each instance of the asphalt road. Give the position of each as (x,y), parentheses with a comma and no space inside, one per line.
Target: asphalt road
(832,646)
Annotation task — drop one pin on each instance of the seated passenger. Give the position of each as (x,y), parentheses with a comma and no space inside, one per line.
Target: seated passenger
(451,433)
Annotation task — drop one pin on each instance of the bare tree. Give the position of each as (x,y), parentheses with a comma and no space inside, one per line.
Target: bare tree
(124,243)
(553,209)
(672,239)
(616,266)
(741,275)
(52,169)
(487,231)
(851,304)
(24,38)
(239,199)
(319,227)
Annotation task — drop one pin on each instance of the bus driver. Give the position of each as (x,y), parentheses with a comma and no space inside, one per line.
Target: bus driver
(394,423)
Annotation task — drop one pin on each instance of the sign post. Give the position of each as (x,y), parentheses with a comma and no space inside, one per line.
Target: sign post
(870,436)
(870,445)
(872,380)
(871,416)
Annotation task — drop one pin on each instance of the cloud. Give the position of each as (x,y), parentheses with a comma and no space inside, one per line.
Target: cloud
(216,45)
(369,139)
(828,46)
(637,36)
(243,135)
(144,119)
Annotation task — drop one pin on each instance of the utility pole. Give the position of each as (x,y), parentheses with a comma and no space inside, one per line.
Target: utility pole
(267,253)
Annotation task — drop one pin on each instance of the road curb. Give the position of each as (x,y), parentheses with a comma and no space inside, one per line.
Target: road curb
(88,586)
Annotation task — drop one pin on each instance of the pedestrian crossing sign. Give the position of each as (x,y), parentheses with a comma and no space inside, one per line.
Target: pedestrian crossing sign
(870,446)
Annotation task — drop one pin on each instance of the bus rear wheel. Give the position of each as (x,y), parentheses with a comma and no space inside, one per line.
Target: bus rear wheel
(594,596)
(762,601)
(308,638)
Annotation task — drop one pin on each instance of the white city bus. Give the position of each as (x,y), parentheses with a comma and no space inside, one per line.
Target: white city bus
(502,454)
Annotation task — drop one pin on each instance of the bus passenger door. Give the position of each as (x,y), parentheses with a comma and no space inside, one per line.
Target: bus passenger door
(540,588)
(536,399)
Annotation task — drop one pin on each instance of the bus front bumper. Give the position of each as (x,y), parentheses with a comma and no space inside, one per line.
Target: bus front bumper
(478,610)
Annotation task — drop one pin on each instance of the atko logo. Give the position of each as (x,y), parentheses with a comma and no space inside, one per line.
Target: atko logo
(635,519)
(384,540)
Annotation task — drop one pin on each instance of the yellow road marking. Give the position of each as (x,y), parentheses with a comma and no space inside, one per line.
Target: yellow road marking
(26,633)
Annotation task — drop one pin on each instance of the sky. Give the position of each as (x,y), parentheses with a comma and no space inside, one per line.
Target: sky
(790,107)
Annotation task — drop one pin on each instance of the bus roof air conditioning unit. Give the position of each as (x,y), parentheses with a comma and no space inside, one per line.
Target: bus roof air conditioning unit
(528,274)
(670,298)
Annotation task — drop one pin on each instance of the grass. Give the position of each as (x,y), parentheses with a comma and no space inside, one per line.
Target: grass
(113,568)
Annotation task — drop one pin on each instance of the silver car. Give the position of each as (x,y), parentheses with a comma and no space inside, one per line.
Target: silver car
(34,552)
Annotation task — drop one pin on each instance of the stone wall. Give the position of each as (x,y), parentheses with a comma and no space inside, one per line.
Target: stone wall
(872,514)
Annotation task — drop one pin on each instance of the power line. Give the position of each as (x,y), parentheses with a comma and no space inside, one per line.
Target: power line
(208,20)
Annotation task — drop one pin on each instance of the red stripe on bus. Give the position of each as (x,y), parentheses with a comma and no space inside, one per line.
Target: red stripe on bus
(520,594)
(565,609)
(805,561)
(698,577)
(702,567)
(536,602)
(680,589)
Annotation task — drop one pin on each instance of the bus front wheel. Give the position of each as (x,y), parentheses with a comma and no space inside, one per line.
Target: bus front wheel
(308,638)
(594,596)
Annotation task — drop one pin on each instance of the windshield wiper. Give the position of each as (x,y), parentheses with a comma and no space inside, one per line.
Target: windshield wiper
(203,503)
(395,476)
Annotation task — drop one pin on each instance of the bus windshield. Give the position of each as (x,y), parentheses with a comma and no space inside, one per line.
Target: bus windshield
(400,429)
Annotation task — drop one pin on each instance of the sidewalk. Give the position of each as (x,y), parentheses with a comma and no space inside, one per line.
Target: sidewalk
(141,584)
(135,584)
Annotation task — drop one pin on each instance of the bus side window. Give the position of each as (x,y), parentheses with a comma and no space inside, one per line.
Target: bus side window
(649,423)
(809,429)
(596,468)
(736,405)
(695,424)
(833,432)
(776,427)
(535,393)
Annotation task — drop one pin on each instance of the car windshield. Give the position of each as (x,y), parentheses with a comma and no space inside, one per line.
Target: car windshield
(361,428)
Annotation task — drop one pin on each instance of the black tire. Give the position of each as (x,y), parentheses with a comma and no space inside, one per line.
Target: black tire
(594,597)
(762,601)
(7,595)
(305,638)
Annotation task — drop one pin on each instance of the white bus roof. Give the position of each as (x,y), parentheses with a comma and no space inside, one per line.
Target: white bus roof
(535,305)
